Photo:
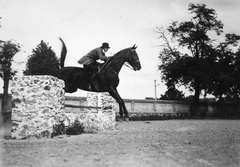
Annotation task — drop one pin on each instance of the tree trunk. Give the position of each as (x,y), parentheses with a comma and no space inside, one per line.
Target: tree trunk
(195,107)
(5,91)
(220,105)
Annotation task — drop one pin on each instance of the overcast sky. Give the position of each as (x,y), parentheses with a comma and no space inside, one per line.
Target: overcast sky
(84,25)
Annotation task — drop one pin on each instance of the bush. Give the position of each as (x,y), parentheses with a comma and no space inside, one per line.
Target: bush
(75,129)
(59,129)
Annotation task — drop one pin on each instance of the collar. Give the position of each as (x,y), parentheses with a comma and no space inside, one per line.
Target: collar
(103,51)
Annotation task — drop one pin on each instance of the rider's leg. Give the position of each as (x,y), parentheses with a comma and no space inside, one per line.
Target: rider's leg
(89,70)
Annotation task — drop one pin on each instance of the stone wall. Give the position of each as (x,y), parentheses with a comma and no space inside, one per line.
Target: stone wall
(38,109)
(94,119)
(37,105)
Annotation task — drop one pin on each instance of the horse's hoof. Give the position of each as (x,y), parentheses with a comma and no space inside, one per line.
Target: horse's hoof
(126,119)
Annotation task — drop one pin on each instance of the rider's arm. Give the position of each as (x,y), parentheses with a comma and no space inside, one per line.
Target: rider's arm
(101,55)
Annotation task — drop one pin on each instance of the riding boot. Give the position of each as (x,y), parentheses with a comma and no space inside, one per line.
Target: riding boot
(90,80)
(89,70)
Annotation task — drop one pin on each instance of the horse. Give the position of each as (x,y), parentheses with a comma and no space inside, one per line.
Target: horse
(105,78)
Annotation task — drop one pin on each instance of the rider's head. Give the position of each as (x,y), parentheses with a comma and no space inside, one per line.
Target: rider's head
(105,46)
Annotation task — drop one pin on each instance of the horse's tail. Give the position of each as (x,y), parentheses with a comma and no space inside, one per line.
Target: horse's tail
(63,53)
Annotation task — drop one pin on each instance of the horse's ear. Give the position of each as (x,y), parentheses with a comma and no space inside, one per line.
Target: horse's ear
(134,46)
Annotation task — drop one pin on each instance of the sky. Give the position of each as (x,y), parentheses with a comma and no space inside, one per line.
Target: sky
(85,25)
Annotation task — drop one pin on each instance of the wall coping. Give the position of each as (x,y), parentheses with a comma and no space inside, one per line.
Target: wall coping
(77,98)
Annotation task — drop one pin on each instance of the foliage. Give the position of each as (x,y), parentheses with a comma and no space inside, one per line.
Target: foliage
(58,129)
(189,57)
(75,129)
(227,69)
(172,94)
(156,116)
(8,50)
(43,61)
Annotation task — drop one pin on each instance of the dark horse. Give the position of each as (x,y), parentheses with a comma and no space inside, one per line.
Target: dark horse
(105,78)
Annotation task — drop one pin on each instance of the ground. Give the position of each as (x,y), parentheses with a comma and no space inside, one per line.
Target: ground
(170,143)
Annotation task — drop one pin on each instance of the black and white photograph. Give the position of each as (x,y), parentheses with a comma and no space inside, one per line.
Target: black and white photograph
(127,83)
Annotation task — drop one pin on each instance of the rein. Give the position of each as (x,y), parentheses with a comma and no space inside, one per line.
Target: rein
(125,63)
(129,66)
(110,60)
(102,67)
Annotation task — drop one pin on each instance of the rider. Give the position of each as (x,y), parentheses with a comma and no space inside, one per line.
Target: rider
(90,59)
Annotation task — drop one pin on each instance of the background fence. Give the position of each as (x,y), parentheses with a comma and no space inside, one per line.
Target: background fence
(156,107)
(163,107)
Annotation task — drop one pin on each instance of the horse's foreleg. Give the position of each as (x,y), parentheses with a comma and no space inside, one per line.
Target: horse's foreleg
(122,108)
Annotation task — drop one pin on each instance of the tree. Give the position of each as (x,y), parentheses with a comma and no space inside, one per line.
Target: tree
(193,68)
(172,94)
(226,79)
(43,61)
(7,52)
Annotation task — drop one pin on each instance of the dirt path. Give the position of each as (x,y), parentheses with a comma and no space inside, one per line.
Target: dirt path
(145,144)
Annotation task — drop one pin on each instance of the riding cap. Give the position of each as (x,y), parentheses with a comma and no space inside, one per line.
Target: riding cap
(105,45)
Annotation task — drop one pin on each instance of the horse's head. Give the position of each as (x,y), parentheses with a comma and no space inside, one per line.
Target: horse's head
(132,58)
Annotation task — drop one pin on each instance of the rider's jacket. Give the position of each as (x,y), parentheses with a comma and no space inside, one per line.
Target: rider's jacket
(93,56)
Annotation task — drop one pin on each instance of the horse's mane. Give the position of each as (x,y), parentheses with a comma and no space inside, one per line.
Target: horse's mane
(116,55)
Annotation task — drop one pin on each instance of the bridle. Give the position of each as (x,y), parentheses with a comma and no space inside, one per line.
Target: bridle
(127,64)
